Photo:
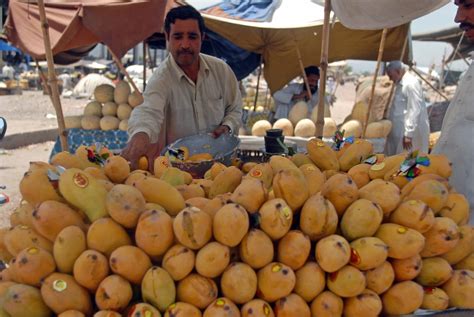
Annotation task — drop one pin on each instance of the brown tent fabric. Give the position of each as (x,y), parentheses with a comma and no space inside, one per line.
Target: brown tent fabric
(76,26)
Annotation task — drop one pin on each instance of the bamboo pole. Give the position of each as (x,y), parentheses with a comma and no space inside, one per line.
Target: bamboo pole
(52,79)
(374,83)
(429,84)
(392,89)
(305,78)
(258,84)
(123,70)
(323,65)
(144,64)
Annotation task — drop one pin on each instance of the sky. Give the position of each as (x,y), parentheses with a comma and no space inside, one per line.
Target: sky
(426,53)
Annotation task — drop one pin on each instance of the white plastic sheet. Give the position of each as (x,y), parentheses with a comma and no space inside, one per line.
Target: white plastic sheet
(379,14)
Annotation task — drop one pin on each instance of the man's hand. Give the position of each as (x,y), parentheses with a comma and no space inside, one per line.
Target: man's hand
(301,96)
(222,129)
(407,143)
(138,146)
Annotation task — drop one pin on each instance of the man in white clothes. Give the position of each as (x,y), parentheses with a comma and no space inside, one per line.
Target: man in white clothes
(456,140)
(410,125)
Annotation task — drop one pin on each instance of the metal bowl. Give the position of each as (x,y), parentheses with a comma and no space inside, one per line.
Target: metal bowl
(223,149)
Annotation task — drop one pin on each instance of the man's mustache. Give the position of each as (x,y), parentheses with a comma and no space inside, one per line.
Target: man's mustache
(185,51)
(466,25)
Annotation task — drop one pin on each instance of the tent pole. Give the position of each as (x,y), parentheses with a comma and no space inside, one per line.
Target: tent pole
(303,73)
(258,83)
(323,70)
(52,80)
(392,89)
(374,83)
(144,64)
(428,83)
(123,70)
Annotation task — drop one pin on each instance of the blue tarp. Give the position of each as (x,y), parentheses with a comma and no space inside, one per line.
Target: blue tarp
(5,47)
(241,61)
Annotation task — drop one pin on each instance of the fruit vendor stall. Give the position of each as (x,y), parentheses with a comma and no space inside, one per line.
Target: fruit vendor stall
(336,230)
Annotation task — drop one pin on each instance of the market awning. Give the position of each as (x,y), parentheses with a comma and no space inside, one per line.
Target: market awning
(76,27)
(452,36)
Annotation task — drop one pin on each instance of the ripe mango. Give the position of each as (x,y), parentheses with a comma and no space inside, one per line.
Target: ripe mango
(318,217)
(322,155)
(257,307)
(158,288)
(413,214)
(346,282)
(292,305)
(332,253)
(160,192)
(117,169)
(212,259)
(182,309)
(368,303)
(383,193)
(355,154)
(463,248)
(360,174)
(314,178)
(439,164)
(250,194)
(341,191)
(275,218)
(193,227)
(435,299)
(35,187)
(113,293)
(290,185)
(361,219)
(225,182)
(432,192)
(220,307)
(191,191)
(381,278)
(24,300)
(99,233)
(230,224)
(61,292)
(402,298)
(294,249)
(460,289)
(125,204)
(456,208)
(178,261)
(91,268)
(154,232)
(256,249)
(442,237)
(402,242)
(83,192)
(310,281)
(160,165)
(32,265)
(327,304)
(130,263)
(264,172)
(275,281)
(196,290)
(173,176)
(434,272)
(407,269)
(68,160)
(50,217)
(368,253)
(68,246)
(389,164)
(21,237)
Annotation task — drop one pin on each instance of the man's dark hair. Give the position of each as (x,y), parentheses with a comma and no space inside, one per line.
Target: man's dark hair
(311,70)
(184,13)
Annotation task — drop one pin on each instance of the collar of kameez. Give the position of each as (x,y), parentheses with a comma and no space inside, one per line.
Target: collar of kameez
(203,67)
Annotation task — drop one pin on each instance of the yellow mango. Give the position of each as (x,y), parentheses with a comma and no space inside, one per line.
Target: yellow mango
(160,192)
(355,154)
(322,155)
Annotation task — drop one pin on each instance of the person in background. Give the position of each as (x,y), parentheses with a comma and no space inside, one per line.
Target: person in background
(456,139)
(8,71)
(66,80)
(189,93)
(410,125)
(294,92)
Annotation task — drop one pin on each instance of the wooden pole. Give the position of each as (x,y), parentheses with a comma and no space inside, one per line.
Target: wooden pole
(258,84)
(323,65)
(305,78)
(377,68)
(392,89)
(144,64)
(429,84)
(123,70)
(52,80)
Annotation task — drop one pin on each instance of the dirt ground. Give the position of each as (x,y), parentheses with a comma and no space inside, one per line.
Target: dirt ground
(33,111)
